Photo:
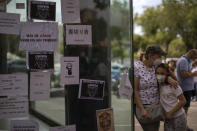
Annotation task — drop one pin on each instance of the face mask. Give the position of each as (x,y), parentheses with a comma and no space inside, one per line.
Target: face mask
(157,62)
(161,78)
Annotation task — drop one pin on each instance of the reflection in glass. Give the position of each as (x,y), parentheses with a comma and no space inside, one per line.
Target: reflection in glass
(120,60)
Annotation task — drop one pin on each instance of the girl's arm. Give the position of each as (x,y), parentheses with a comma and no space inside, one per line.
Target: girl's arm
(179,105)
(138,101)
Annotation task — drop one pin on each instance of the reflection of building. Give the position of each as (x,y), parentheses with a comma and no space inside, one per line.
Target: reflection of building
(11,8)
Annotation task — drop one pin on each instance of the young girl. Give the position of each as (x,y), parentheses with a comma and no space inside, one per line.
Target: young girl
(172,100)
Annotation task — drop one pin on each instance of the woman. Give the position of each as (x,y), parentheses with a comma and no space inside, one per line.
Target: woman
(146,88)
(172,100)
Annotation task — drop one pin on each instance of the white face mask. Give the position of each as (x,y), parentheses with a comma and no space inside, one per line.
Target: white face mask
(161,78)
(157,62)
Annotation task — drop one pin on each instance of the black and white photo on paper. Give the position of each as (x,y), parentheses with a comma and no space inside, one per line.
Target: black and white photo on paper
(42,10)
(40,60)
(91,89)
(69,70)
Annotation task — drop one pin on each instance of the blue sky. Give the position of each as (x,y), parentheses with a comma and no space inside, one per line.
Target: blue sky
(140,5)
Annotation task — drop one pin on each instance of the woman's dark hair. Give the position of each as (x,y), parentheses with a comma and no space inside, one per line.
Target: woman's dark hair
(154,49)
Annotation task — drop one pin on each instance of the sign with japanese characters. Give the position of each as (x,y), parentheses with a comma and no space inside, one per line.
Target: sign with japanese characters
(69,70)
(9,23)
(42,10)
(3,4)
(39,86)
(40,60)
(39,36)
(105,119)
(13,84)
(24,125)
(63,128)
(78,35)
(70,11)
(13,107)
(91,89)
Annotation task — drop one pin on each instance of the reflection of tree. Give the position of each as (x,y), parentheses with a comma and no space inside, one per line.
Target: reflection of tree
(102,4)
(119,30)
(170,24)
(13,44)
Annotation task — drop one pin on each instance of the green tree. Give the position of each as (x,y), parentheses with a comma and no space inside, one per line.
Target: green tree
(181,16)
(176,48)
(155,28)
(171,20)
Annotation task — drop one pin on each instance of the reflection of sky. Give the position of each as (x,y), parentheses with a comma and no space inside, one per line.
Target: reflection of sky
(140,6)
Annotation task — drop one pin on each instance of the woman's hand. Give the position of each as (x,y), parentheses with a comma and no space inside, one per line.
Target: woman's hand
(169,115)
(145,114)
(172,82)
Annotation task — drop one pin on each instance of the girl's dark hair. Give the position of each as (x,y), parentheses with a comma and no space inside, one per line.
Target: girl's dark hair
(165,66)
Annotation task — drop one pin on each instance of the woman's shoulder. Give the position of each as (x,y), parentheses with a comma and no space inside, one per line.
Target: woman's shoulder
(138,63)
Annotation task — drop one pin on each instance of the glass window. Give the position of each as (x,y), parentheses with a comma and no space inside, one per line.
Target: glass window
(54,108)
(120,60)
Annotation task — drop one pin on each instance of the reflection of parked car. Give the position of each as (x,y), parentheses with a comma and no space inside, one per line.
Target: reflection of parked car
(115,71)
(17,66)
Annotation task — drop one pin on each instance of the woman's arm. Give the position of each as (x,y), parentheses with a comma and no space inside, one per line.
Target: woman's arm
(144,113)
(172,81)
(179,105)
